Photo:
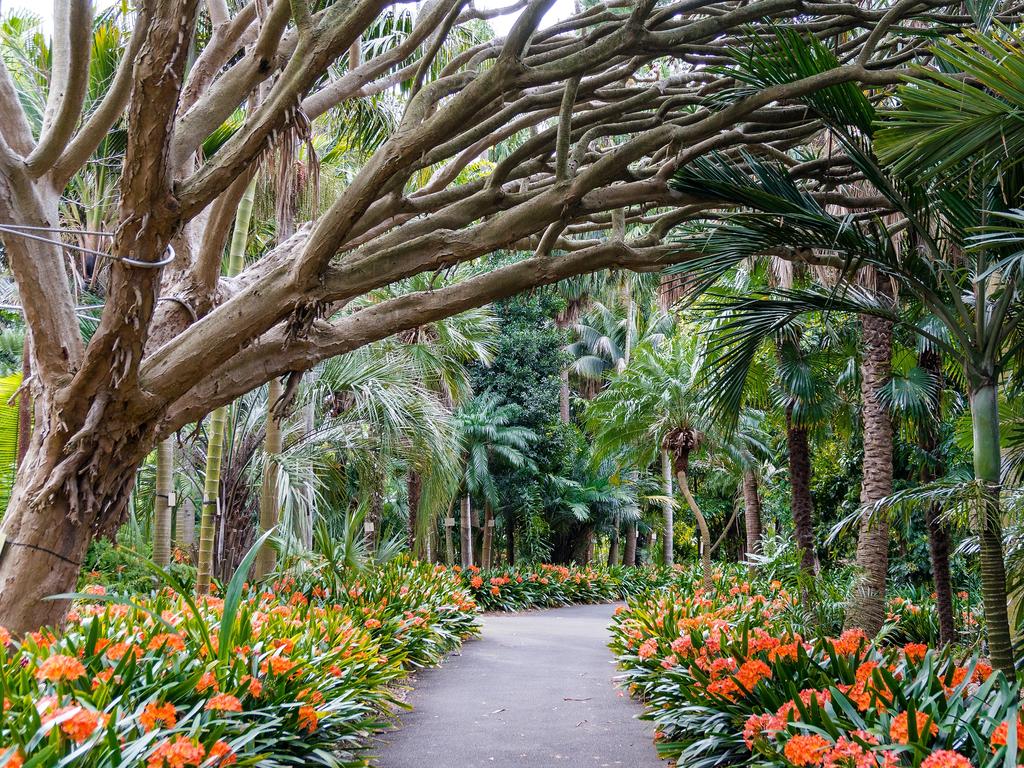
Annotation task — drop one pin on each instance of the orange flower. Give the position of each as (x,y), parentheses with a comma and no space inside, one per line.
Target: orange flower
(155,713)
(278,665)
(168,641)
(221,754)
(848,753)
(16,760)
(476,582)
(849,642)
(5,637)
(806,750)
(82,724)
(648,649)
(308,718)
(176,754)
(224,702)
(945,758)
(752,672)
(915,651)
(117,651)
(899,730)
(372,624)
(206,682)
(758,725)
(60,667)
(495,591)
(1002,731)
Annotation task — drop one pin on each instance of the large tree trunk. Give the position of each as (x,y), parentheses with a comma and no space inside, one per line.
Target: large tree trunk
(987,459)
(269,502)
(62,497)
(488,536)
(161,504)
(629,552)
(510,538)
(800,491)
(613,547)
(668,544)
(466,532)
(867,603)
(752,512)
(25,403)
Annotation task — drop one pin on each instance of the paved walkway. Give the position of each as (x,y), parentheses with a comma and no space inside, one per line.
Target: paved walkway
(535,691)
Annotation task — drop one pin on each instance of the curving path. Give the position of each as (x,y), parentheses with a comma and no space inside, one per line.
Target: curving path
(534,691)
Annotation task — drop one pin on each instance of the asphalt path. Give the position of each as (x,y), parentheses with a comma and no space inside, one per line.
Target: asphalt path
(536,690)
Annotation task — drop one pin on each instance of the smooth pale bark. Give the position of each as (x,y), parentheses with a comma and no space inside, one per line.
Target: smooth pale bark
(488,537)
(752,512)
(668,544)
(218,419)
(466,532)
(702,525)
(185,523)
(801,504)
(211,499)
(449,545)
(629,551)
(867,609)
(270,503)
(161,504)
(987,464)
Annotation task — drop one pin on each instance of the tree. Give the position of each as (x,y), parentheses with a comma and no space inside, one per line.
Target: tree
(487,436)
(175,341)
(981,330)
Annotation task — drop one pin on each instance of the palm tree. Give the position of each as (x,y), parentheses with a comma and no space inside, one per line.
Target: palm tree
(216,436)
(972,285)
(653,410)
(487,435)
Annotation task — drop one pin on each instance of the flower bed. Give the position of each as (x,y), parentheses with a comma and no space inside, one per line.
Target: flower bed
(731,677)
(549,586)
(283,677)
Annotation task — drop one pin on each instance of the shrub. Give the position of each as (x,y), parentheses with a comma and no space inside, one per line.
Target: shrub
(731,676)
(285,676)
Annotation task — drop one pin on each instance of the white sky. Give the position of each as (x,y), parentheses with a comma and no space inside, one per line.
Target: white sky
(560,10)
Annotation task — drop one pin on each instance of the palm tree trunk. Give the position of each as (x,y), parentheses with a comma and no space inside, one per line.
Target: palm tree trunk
(629,554)
(867,603)
(510,538)
(215,444)
(752,512)
(613,547)
(211,499)
(488,536)
(185,523)
(800,491)
(162,503)
(668,543)
(702,525)
(466,532)
(270,504)
(414,487)
(938,534)
(987,465)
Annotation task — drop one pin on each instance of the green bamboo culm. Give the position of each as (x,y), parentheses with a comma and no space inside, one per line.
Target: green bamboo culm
(218,419)
(987,462)
(269,502)
(161,506)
